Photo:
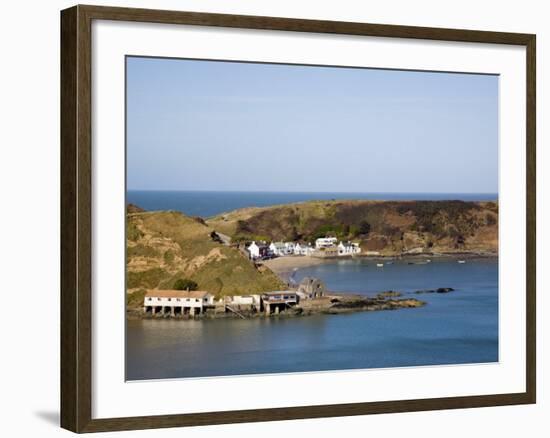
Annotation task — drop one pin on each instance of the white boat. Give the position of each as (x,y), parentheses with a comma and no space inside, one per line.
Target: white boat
(380,265)
(462,261)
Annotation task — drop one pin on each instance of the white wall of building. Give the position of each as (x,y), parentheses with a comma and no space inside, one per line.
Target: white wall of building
(253,250)
(324,242)
(244,300)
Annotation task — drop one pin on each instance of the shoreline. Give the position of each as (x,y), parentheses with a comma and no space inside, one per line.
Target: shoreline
(334,302)
(331,304)
(284,267)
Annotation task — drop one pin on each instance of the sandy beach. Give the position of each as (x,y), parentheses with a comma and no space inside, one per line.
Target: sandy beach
(284,266)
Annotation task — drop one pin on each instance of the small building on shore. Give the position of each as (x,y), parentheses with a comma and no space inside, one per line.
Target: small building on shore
(303,249)
(277,301)
(242,302)
(310,288)
(325,242)
(281,249)
(348,248)
(257,250)
(289,247)
(278,249)
(177,302)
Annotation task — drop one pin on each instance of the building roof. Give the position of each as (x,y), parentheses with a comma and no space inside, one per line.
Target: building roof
(280,292)
(176,293)
(258,244)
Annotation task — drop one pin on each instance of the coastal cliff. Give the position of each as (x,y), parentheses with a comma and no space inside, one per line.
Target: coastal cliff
(386,228)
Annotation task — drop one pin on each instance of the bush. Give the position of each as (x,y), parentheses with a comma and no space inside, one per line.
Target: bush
(490,219)
(132,231)
(215,237)
(168,257)
(326,230)
(185,284)
(364,227)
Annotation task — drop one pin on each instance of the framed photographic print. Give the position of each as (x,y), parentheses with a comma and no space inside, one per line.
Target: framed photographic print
(270,218)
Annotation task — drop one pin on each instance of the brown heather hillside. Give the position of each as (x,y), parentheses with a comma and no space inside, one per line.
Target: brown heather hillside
(165,246)
(390,227)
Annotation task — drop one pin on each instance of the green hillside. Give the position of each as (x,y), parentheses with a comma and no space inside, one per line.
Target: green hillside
(163,247)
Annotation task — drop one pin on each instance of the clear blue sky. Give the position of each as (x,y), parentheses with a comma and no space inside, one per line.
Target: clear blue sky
(201,125)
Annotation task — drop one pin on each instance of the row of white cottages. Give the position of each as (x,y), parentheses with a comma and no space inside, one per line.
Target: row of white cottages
(258,250)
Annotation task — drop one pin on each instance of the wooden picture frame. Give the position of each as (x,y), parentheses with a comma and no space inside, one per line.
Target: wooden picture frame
(76,217)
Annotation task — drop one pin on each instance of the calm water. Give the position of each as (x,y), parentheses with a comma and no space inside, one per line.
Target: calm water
(454,328)
(206,204)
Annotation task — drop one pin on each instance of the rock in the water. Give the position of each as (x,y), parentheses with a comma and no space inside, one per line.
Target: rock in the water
(389,294)
(441,290)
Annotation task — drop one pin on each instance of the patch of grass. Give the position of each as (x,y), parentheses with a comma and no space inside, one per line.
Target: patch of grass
(133,233)
(140,250)
(148,279)
(235,274)
(135,299)
(169,257)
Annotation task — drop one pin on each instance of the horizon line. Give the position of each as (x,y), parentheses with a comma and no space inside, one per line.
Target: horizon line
(305,191)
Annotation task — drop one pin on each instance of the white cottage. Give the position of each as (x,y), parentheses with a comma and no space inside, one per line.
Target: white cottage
(257,250)
(289,247)
(253,250)
(278,249)
(325,242)
(177,302)
(348,248)
(303,249)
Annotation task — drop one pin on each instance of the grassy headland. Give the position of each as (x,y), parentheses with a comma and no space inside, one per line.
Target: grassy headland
(387,227)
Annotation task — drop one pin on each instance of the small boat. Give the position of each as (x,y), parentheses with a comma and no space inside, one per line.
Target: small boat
(428,261)
(389,263)
(380,265)
(462,261)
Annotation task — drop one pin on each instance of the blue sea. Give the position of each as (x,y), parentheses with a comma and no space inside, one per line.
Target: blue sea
(206,204)
(455,328)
